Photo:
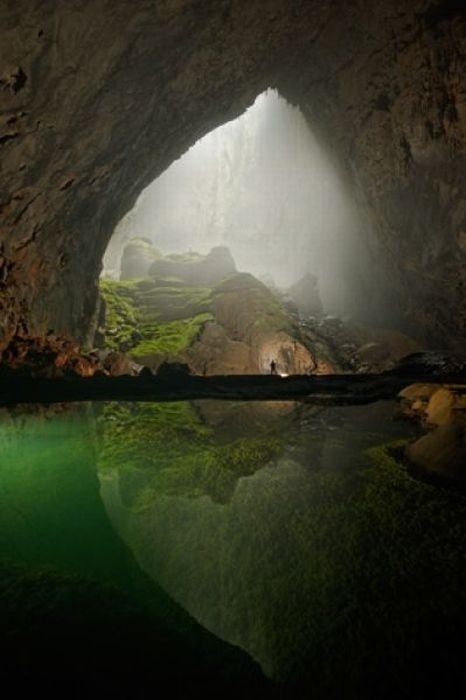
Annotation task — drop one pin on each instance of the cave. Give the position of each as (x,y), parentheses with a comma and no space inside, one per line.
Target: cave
(180,410)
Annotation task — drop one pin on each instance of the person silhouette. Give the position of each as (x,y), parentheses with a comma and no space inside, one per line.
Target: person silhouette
(273,367)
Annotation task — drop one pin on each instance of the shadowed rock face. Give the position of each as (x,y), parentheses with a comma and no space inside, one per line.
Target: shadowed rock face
(98,98)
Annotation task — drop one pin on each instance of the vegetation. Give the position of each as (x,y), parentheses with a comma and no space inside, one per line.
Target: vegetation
(121,316)
(188,257)
(136,317)
(167,339)
(165,449)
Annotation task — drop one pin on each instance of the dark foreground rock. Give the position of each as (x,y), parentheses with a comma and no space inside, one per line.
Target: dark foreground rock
(338,389)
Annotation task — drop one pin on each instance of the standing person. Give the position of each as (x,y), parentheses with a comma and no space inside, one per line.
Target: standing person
(273,367)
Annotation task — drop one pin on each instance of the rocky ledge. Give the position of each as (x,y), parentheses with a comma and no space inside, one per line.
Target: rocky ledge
(181,386)
(439,455)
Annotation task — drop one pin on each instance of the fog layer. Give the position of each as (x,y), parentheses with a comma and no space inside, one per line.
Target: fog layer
(264,187)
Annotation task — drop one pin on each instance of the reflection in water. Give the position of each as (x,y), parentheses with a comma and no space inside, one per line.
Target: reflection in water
(320,556)
(61,628)
(285,529)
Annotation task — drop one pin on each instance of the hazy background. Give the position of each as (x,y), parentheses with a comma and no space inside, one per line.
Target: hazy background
(263,186)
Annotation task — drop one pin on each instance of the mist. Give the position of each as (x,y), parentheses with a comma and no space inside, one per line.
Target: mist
(263,186)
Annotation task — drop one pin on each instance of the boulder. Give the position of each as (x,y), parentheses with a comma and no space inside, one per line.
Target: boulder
(138,256)
(215,353)
(118,364)
(413,401)
(305,294)
(194,269)
(441,454)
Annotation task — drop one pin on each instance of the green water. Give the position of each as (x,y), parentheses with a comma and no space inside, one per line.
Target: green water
(288,531)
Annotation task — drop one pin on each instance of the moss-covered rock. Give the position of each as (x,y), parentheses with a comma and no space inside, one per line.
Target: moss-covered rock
(167,317)
(195,269)
(121,318)
(138,256)
(153,323)
(167,340)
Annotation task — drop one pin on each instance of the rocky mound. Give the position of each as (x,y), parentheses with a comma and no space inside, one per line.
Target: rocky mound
(198,310)
(305,294)
(236,326)
(194,269)
(138,256)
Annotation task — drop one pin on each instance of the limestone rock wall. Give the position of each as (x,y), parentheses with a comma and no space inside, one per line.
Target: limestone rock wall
(97,98)
(389,97)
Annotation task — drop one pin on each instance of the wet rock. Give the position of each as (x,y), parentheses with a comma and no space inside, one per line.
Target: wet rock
(442,410)
(413,401)
(441,454)
(439,409)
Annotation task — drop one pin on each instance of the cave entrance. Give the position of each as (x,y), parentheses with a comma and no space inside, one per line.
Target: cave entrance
(262,186)
(228,256)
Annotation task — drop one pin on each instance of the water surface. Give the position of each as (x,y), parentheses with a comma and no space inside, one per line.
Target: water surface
(287,530)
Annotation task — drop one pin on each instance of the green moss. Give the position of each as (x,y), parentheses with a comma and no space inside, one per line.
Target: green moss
(169,338)
(136,312)
(186,257)
(121,317)
(172,303)
(165,449)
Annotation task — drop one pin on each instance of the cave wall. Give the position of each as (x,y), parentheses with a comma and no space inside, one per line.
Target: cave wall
(97,98)
(394,113)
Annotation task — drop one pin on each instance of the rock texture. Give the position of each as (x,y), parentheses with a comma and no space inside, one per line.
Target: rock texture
(196,270)
(98,98)
(441,453)
(138,256)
